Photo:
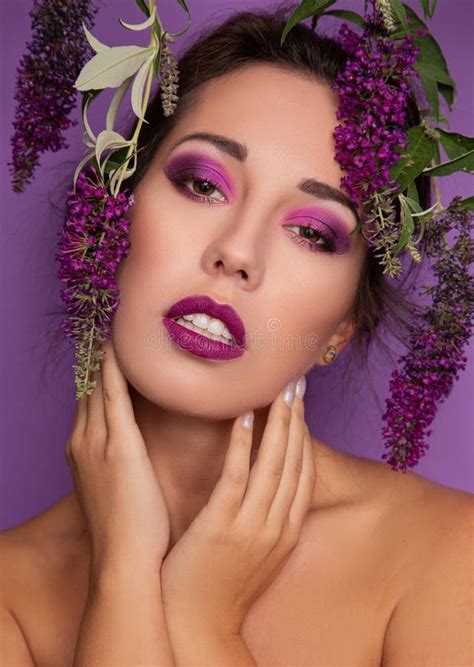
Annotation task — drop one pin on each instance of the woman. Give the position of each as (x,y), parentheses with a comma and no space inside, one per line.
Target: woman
(190,538)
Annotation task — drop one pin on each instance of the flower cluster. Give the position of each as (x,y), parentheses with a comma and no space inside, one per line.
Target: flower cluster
(373,92)
(94,239)
(169,80)
(436,346)
(45,93)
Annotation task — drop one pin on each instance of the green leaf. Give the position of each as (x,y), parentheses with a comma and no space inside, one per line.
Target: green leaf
(138,89)
(399,11)
(347,15)
(93,41)
(108,139)
(468,203)
(86,100)
(156,30)
(115,103)
(118,174)
(426,7)
(408,225)
(139,26)
(117,159)
(143,6)
(417,155)
(84,160)
(110,68)
(412,192)
(413,205)
(433,7)
(435,72)
(303,11)
(430,53)
(449,94)
(462,163)
(431,91)
(182,3)
(107,165)
(455,144)
(156,64)
(459,149)
(428,10)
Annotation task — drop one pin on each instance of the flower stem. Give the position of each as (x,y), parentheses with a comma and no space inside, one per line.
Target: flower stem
(146,98)
(436,188)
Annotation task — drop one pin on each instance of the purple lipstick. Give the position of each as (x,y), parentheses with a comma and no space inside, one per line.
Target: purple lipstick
(200,344)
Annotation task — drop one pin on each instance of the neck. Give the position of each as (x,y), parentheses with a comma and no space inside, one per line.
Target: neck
(187,454)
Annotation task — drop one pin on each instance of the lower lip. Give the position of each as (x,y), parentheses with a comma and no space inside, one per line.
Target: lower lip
(201,346)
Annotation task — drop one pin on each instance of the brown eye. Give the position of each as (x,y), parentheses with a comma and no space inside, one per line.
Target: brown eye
(311,234)
(203,187)
(311,237)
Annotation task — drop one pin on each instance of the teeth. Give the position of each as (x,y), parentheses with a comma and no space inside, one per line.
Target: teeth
(212,325)
(204,332)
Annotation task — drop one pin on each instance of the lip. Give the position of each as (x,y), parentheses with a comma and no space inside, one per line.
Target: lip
(201,303)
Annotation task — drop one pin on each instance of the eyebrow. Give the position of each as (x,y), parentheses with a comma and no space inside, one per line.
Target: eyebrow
(239,152)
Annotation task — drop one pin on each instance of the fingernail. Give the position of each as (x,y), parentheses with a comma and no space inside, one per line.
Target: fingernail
(247,420)
(301,386)
(289,394)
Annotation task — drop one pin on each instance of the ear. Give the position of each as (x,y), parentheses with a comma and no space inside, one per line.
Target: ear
(339,339)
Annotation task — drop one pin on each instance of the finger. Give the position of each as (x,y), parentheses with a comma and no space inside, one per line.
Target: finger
(285,495)
(96,422)
(119,414)
(305,492)
(230,488)
(78,429)
(266,473)
(80,415)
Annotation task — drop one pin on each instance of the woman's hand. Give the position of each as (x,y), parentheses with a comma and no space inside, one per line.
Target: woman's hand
(238,542)
(115,483)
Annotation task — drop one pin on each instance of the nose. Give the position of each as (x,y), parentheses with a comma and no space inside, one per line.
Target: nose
(238,252)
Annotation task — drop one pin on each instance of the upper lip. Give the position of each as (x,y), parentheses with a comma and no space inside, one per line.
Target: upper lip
(201,303)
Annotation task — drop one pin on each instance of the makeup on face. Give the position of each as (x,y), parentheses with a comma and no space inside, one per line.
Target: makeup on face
(327,226)
(189,165)
(325,223)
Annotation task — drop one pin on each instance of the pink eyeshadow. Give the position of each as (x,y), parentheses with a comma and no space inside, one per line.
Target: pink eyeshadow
(317,217)
(201,166)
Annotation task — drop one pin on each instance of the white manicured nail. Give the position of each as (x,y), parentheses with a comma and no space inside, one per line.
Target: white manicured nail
(301,386)
(247,420)
(289,393)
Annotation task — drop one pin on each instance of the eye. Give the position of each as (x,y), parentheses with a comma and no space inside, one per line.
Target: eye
(198,188)
(315,240)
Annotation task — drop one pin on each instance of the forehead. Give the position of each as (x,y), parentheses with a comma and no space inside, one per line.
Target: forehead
(282,116)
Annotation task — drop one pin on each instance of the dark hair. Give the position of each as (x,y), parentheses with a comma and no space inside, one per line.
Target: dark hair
(248,37)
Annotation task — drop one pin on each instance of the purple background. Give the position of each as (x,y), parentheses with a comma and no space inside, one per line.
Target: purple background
(38,399)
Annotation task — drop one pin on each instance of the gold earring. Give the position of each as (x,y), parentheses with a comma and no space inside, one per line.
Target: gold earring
(329,354)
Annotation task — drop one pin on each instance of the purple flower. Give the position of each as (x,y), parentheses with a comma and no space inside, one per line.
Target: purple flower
(92,244)
(436,346)
(45,93)
(372,107)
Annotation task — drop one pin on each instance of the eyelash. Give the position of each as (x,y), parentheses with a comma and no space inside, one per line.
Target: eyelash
(181,183)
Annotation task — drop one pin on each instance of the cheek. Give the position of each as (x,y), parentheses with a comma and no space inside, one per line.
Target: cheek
(324,299)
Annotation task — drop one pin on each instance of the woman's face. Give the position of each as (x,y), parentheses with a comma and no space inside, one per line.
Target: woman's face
(240,242)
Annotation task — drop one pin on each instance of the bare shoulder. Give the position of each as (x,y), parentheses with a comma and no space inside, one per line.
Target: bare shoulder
(435,517)
(18,559)
(431,529)
(424,522)
(30,550)
(362,480)
(428,529)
